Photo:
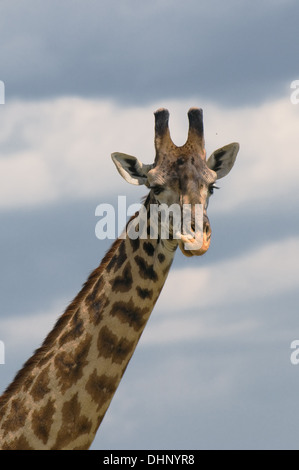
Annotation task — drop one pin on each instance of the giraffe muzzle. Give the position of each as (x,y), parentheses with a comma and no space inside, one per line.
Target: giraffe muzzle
(199,244)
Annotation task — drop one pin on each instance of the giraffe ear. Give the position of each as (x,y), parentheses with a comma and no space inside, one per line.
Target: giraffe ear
(130,168)
(223,159)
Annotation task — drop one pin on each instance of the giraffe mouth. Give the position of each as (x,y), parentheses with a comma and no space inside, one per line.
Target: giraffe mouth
(196,246)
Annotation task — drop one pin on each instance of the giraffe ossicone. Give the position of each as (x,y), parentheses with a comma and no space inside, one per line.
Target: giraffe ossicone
(60,396)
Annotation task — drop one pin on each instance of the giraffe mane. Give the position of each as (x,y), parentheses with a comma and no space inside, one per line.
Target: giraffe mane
(65,317)
(60,323)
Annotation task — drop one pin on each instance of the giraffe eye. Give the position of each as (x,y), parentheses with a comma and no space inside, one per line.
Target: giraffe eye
(157,189)
(212,187)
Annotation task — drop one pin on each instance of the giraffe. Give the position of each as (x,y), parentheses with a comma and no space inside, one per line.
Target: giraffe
(60,396)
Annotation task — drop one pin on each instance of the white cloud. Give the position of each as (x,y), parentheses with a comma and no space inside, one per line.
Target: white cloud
(256,274)
(211,379)
(25,180)
(28,331)
(201,293)
(197,293)
(66,146)
(53,150)
(267,165)
(194,327)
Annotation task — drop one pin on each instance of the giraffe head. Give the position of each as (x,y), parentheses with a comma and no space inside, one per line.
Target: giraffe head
(181,175)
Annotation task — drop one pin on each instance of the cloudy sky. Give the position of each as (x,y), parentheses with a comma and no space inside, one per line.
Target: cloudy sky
(82,80)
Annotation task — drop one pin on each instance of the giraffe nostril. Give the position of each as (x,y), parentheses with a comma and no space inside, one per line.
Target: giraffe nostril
(207,229)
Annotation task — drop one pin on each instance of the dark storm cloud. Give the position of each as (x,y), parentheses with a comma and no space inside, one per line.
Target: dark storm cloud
(134,52)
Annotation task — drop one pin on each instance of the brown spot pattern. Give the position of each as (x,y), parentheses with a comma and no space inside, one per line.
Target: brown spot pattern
(40,386)
(19,443)
(75,329)
(124,282)
(135,244)
(74,424)
(46,358)
(28,382)
(70,365)
(110,346)
(118,259)
(96,301)
(146,270)
(17,416)
(96,291)
(96,312)
(101,387)
(96,309)
(127,312)
(149,248)
(144,293)
(161,257)
(42,420)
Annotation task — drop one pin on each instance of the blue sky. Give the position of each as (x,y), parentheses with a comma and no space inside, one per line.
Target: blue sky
(212,369)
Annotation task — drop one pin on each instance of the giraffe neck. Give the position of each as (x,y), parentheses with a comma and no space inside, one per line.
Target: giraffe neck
(59,398)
